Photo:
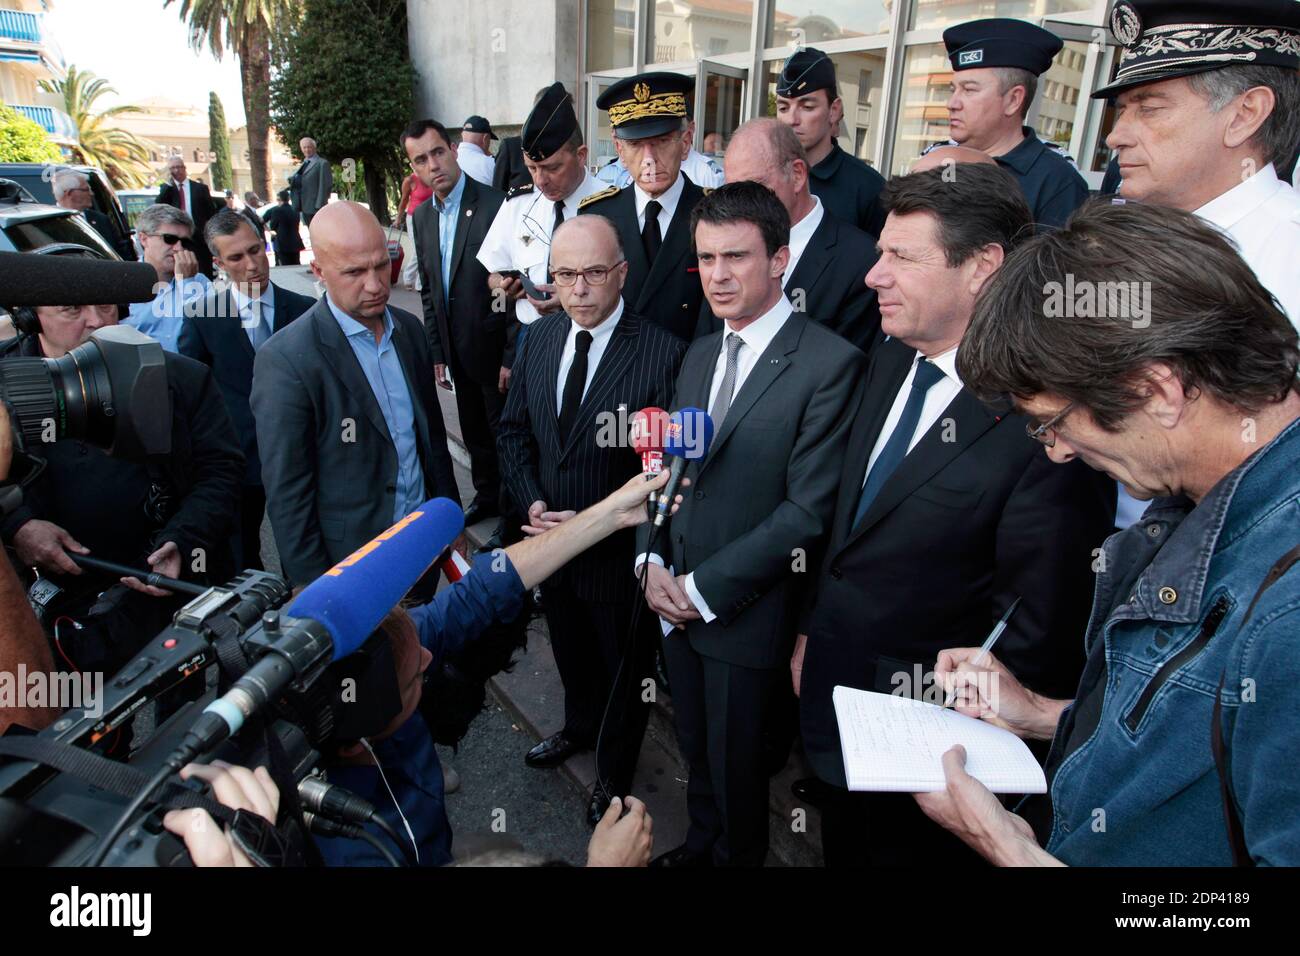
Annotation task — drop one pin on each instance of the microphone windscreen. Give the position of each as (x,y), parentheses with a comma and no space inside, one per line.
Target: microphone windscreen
(648,430)
(353,597)
(30,279)
(689,434)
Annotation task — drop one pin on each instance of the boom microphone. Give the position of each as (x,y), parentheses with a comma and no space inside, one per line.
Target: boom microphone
(28,279)
(647,434)
(687,439)
(333,616)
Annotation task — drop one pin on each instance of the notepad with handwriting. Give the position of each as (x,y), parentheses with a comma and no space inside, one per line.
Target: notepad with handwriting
(893,743)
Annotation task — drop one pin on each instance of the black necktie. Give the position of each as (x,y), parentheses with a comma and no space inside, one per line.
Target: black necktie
(559,218)
(651,237)
(574,384)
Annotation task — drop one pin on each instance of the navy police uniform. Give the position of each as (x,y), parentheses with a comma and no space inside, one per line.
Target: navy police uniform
(848,187)
(1051,182)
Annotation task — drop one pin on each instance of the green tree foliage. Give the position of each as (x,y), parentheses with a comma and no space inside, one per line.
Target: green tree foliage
(101,141)
(343,77)
(23,140)
(223,177)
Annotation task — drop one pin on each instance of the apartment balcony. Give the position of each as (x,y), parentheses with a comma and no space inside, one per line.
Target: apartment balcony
(25,39)
(57,123)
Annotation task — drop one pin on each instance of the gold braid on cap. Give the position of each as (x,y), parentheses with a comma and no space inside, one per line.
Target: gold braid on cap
(661,104)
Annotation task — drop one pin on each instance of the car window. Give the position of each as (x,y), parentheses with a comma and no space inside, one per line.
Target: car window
(35,234)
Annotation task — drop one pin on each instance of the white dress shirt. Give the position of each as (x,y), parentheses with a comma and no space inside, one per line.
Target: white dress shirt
(668,202)
(938,398)
(600,337)
(520,236)
(1262,214)
(800,233)
(756,337)
(476,163)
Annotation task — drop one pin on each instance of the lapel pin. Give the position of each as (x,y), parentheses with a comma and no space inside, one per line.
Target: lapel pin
(468,213)
(776,361)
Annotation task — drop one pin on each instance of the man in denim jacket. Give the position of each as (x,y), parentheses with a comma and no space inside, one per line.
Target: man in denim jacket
(1173,371)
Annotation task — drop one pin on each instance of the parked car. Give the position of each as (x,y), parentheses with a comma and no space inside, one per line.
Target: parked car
(36,179)
(30,226)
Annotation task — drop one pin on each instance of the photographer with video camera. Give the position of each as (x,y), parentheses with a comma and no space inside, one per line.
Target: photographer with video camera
(398,770)
(173,513)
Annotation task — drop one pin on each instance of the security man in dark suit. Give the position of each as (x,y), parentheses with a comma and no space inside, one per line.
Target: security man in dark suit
(467,335)
(192,197)
(225,333)
(585,370)
(510,170)
(947,512)
(808,100)
(348,426)
(652,215)
(283,220)
(728,572)
(996,64)
(828,258)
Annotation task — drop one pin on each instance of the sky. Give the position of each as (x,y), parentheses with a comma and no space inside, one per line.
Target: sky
(143,51)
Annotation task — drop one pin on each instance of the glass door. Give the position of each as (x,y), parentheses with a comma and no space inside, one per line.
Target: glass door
(719,105)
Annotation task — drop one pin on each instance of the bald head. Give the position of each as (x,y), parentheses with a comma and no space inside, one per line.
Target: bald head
(588,245)
(950,155)
(768,151)
(351,259)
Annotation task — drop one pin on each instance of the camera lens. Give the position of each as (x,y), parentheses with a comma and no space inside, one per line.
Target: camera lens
(53,399)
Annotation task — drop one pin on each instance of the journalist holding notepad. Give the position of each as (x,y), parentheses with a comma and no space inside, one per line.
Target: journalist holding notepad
(1178,746)
(947,511)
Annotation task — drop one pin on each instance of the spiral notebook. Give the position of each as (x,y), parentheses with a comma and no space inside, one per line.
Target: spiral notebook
(893,743)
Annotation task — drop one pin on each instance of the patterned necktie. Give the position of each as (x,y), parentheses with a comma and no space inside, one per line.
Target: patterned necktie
(651,237)
(575,383)
(722,403)
(895,450)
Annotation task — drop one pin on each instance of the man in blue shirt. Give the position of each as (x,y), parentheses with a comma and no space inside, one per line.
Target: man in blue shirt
(1186,394)
(491,592)
(165,241)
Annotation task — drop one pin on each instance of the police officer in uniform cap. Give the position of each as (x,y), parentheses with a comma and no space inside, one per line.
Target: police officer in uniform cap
(809,101)
(520,237)
(996,63)
(653,214)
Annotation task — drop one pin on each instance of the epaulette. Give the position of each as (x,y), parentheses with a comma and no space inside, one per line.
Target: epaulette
(519,190)
(596,197)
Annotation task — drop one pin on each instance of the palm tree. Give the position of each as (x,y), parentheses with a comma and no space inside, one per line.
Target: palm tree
(119,153)
(244,26)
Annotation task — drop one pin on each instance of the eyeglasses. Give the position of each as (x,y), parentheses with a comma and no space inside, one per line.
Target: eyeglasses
(1045,434)
(171,239)
(596,275)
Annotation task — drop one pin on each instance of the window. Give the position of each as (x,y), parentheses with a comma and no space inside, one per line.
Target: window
(611,33)
(923,106)
(1058,94)
(717,45)
(944,13)
(683,30)
(809,22)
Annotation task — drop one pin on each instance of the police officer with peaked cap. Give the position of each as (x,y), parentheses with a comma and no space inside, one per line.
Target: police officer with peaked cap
(653,214)
(985,113)
(808,100)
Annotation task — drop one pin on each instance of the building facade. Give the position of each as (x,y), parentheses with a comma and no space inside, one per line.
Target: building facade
(29,54)
(889,57)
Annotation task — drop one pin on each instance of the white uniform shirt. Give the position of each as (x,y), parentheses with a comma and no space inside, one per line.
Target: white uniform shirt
(702,170)
(520,236)
(476,163)
(1262,214)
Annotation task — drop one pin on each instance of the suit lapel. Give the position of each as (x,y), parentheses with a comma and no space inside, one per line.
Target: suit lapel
(624,212)
(676,245)
(619,353)
(970,419)
(340,357)
(817,255)
(464,219)
(548,356)
(279,302)
(774,361)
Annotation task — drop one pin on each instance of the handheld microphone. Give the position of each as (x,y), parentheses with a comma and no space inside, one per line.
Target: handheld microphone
(332,617)
(647,437)
(687,439)
(34,280)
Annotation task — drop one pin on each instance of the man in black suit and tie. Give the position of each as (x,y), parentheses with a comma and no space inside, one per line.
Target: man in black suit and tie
(348,425)
(652,215)
(225,334)
(467,336)
(193,198)
(585,370)
(828,258)
(728,571)
(947,513)
(282,219)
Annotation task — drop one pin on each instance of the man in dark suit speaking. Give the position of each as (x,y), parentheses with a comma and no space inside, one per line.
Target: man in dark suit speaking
(348,426)
(727,574)
(224,333)
(947,513)
(829,258)
(191,197)
(580,367)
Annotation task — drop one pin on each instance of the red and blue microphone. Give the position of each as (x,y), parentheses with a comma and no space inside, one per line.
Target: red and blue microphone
(687,439)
